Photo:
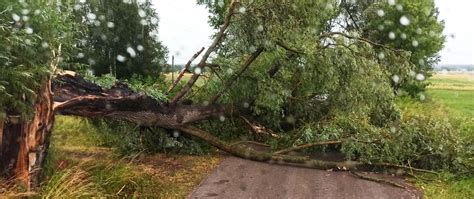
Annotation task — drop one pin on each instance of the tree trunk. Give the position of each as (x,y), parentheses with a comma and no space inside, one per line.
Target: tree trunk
(24,143)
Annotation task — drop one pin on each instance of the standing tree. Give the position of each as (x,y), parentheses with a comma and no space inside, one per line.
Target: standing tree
(35,37)
(121,39)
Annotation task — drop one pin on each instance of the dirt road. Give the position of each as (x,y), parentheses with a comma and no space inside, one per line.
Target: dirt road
(239,178)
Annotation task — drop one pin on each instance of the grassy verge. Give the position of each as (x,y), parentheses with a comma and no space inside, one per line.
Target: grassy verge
(78,166)
(451,96)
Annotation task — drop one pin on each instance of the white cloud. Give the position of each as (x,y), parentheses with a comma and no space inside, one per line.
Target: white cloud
(183,28)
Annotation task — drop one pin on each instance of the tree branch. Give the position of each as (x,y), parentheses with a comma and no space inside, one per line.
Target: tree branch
(181,74)
(211,49)
(243,68)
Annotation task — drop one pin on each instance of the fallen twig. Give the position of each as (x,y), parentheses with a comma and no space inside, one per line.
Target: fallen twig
(378,180)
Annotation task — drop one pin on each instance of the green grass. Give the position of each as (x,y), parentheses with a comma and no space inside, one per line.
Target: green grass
(79,165)
(451,96)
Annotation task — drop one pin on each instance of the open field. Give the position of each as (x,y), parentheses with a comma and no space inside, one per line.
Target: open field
(454,92)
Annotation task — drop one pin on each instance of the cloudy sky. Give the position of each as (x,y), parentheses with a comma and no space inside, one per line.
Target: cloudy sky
(184,29)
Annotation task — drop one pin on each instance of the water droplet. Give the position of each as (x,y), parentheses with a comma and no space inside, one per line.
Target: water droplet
(399,7)
(176,133)
(242,10)
(77,7)
(221,118)
(380,13)
(421,61)
(37,12)
(412,73)
(259,28)
(91,61)
(25,18)
(381,55)
(414,43)
(393,129)
(15,17)
(230,71)
(25,11)
(121,58)
(404,20)
(422,96)
(143,22)
(80,55)
(29,30)
(44,44)
(91,16)
(246,105)
(395,79)
(154,20)
(197,70)
(418,31)
(110,24)
(82,1)
(131,52)
(381,27)
(391,2)
(97,23)
(391,35)
(420,77)
(403,36)
(141,13)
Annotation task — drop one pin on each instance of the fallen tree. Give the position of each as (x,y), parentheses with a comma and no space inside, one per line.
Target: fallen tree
(294,72)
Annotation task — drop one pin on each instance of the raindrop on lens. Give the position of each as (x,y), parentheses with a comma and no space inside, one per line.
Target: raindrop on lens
(80,55)
(197,70)
(246,105)
(242,10)
(391,2)
(395,79)
(391,35)
(221,118)
(29,30)
(259,28)
(420,77)
(141,13)
(414,43)
(418,31)
(380,13)
(399,7)
(121,58)
(15,17)
(403,36)
(140,48)
(381,55)
(175,133)
(404,20)
(132,52)
(44,44)
(110,24)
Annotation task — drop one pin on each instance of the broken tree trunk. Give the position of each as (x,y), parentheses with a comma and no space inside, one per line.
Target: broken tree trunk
(75,96)
(24,142)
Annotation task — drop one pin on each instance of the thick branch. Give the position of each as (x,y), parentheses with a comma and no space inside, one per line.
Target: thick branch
(304,146)
(206,55)
(243,68)
(75,96)
(186,68)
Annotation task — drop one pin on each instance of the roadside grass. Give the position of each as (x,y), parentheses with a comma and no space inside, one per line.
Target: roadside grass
(79,166)
(450,96)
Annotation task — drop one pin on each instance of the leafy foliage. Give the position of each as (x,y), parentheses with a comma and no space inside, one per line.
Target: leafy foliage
(120,38)
(31,35)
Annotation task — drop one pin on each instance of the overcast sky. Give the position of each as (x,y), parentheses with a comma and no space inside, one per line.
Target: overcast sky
(184,29)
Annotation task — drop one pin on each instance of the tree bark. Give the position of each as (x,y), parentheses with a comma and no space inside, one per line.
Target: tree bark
(24,142)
